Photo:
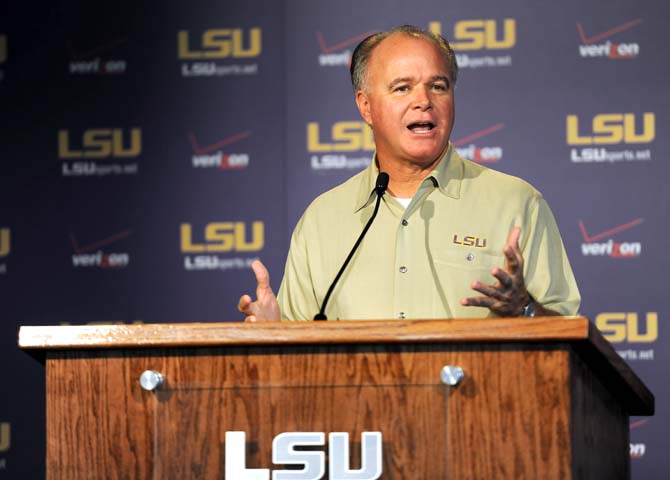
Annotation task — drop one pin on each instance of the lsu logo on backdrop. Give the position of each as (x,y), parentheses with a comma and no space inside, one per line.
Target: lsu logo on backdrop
(201,246)
(636,330)
(473,36)
(343,146)
(628,327)
(599,45)
(3,54)
(214,156)
(97,254)
(5,247)
(334,54)
(468,148)
(208,53)
(3,48)
(5,436)
(5,442)
(5,242)
(601,244)
(93,151)
(603,129)
(96,59)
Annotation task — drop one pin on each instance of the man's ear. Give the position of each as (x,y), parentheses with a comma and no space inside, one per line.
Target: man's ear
(363,104)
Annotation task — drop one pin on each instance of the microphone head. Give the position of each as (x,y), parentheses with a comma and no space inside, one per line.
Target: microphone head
(382,183)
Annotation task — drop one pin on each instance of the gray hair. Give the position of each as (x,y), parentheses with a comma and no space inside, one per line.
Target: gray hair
(362,53)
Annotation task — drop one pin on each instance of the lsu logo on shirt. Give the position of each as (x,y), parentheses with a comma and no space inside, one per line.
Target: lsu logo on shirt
(611,129)
(219,43)
(100,143)
(469,241)
(480,34)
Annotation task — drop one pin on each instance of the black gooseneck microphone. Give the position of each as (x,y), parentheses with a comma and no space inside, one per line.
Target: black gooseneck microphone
(380,187)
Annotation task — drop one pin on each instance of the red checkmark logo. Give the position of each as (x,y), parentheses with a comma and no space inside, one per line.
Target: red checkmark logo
(338,46)
(96,50)
(479,134)
(215,146)
(607,233)
(608,33)
(100,243)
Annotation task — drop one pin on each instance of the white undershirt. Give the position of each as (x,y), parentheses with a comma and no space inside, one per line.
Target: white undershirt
(403,201)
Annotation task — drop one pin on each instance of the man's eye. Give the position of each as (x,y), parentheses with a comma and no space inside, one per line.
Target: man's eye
(441,87)
(401,88)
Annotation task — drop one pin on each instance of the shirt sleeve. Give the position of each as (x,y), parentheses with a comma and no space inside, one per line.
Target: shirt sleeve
(547,272)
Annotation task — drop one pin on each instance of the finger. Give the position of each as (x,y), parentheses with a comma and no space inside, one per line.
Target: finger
(488,290)
(247,306)
(513,238)
(243,304)
(513,259)
(486,302)
(503,277)
(250,319)
(262,277)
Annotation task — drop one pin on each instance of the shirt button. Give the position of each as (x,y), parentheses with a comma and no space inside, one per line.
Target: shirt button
(404,222)
(401,315)
(403,269)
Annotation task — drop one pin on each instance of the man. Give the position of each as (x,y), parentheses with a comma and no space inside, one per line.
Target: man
(445,226)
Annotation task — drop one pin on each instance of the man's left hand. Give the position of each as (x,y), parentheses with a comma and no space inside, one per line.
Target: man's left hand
(508,296)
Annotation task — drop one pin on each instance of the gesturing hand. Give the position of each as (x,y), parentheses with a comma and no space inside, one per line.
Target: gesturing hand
(266,307)
(508,296)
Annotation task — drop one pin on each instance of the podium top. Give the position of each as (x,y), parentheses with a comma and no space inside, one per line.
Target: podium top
(328,332)
(584,338)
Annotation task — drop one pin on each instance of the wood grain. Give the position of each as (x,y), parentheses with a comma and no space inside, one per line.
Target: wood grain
(99,425)
(510,418)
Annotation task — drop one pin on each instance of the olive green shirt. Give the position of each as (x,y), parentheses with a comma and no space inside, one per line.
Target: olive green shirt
(419,262)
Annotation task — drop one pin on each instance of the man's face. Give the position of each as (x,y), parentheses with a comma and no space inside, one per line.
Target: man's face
(408,100)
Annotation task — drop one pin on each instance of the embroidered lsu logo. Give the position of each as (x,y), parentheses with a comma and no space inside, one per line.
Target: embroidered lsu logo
(470,241)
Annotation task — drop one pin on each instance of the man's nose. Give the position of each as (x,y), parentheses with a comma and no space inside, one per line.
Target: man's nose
(422,99)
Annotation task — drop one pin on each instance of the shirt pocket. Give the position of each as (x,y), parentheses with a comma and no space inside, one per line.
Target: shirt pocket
(456,270)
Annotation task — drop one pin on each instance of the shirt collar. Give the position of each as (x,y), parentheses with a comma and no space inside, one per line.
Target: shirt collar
(449,173)
(446,176)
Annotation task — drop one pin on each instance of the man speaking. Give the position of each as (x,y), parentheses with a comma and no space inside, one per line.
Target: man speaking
(451,238)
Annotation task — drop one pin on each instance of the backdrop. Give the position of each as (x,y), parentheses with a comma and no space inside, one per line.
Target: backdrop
(150,152)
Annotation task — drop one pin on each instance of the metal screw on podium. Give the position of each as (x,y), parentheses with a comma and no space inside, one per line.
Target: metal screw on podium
(150,380)
(452,375)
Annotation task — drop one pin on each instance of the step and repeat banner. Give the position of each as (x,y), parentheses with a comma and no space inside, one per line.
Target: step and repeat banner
(151,152)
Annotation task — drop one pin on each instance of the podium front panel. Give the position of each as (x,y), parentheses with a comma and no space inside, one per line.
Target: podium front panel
(518,413)
(269,392)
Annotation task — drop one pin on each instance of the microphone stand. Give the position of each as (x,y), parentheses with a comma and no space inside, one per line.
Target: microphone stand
(380,188)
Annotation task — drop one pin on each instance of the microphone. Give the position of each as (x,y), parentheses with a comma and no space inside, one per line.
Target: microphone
(380,187)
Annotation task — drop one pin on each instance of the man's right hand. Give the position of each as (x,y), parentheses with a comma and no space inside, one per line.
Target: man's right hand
(266,307)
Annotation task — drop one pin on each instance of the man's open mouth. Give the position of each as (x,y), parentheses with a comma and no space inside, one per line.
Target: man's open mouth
(421,127)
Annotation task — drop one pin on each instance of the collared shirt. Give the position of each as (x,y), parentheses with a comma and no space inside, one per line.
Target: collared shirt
(420,262)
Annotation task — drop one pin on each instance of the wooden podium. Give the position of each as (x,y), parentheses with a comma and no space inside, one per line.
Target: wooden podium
(543,398)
